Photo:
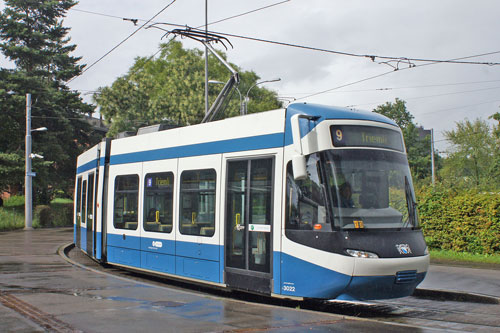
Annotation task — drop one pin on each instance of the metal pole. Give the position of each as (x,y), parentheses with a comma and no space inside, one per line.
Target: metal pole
(432,155)
(28,200)
(246,99)
(206,58)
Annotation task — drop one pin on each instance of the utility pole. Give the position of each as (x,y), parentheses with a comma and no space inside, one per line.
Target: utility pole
(206,58)
(28,194)
(432,155)
(28,199)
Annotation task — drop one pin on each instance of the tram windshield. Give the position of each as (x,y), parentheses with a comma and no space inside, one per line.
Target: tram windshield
(354,189)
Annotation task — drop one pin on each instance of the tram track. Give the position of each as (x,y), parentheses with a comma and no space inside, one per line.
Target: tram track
(439,310)
(45,320)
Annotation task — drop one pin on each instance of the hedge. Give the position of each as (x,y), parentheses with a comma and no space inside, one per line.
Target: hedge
(59,213)
(460,220)
(55,215)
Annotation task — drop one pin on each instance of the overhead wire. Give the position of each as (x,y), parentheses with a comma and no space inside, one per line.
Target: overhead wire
(389,72)
(370,56)
(123,41)
(430,96)
(177,25)
(400,88)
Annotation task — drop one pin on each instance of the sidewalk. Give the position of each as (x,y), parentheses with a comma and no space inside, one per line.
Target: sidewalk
(463,279)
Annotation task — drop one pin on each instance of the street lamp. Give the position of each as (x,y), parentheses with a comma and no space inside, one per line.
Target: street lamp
(245,101)
(28,196)
(239,93)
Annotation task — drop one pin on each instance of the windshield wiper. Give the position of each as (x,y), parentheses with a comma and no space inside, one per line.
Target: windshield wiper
(411,204)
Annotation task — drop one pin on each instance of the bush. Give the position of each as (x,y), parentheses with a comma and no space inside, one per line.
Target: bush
(62,214)
(55,215)
(460,220)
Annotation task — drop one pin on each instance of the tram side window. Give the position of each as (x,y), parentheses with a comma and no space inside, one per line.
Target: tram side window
(126,202)
(78,201)
(197,203)
(158,203)
(305,200)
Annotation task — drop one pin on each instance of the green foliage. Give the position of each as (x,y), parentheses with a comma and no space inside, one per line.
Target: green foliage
(11,169)
(472,160)
(14,202)
(448,256)
(61,201)
(170,89)
(418,150)
(11,219)
(33,38)
(55,215)
(460,220)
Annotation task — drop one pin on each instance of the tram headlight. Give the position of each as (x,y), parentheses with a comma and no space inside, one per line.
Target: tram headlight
(361,254)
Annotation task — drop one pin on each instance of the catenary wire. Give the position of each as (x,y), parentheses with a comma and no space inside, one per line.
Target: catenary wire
(123,41)
(431,61)
(392,71)
(430,96)
(178,25)
(370,56)
(399,88)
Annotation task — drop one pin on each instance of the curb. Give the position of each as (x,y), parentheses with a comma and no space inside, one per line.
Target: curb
(456,296)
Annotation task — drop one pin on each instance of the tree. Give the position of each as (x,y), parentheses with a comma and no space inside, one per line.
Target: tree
(418,149)
(471,160)
(34,39)
(171,89)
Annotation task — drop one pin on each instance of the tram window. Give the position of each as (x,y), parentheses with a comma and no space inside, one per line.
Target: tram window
(126,202)
(78,200)
(305,200)
(158,203)
(197,203)
(84,204)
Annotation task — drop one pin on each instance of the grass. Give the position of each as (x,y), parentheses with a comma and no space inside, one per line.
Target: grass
(10,220)
(447,257)
(61,201)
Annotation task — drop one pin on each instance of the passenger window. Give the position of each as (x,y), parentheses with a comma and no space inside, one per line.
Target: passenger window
(126,202)
(78,201)
(84,204)
(158,203)
(197,203)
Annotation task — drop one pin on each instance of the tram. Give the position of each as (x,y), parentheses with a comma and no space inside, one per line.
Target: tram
(310,201)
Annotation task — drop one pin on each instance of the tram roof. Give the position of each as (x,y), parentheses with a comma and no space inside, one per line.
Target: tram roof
(334,112)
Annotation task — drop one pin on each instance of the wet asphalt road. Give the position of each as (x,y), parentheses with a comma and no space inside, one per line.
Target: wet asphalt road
(40,291)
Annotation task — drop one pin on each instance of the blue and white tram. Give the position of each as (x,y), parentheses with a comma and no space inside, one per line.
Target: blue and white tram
(305,202)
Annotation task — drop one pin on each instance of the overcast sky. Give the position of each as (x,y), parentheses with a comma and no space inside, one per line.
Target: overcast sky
(437,95)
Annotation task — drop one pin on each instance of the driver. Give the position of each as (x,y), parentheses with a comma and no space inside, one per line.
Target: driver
(345,192)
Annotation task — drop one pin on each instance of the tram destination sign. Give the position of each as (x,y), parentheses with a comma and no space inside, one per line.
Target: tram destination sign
(366,136)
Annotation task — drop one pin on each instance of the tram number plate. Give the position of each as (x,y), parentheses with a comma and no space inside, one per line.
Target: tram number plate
(289,286)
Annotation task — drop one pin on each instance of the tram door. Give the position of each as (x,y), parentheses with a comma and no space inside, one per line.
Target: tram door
(249,211)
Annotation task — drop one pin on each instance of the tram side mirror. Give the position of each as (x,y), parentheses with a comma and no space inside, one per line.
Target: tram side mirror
(299,167)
